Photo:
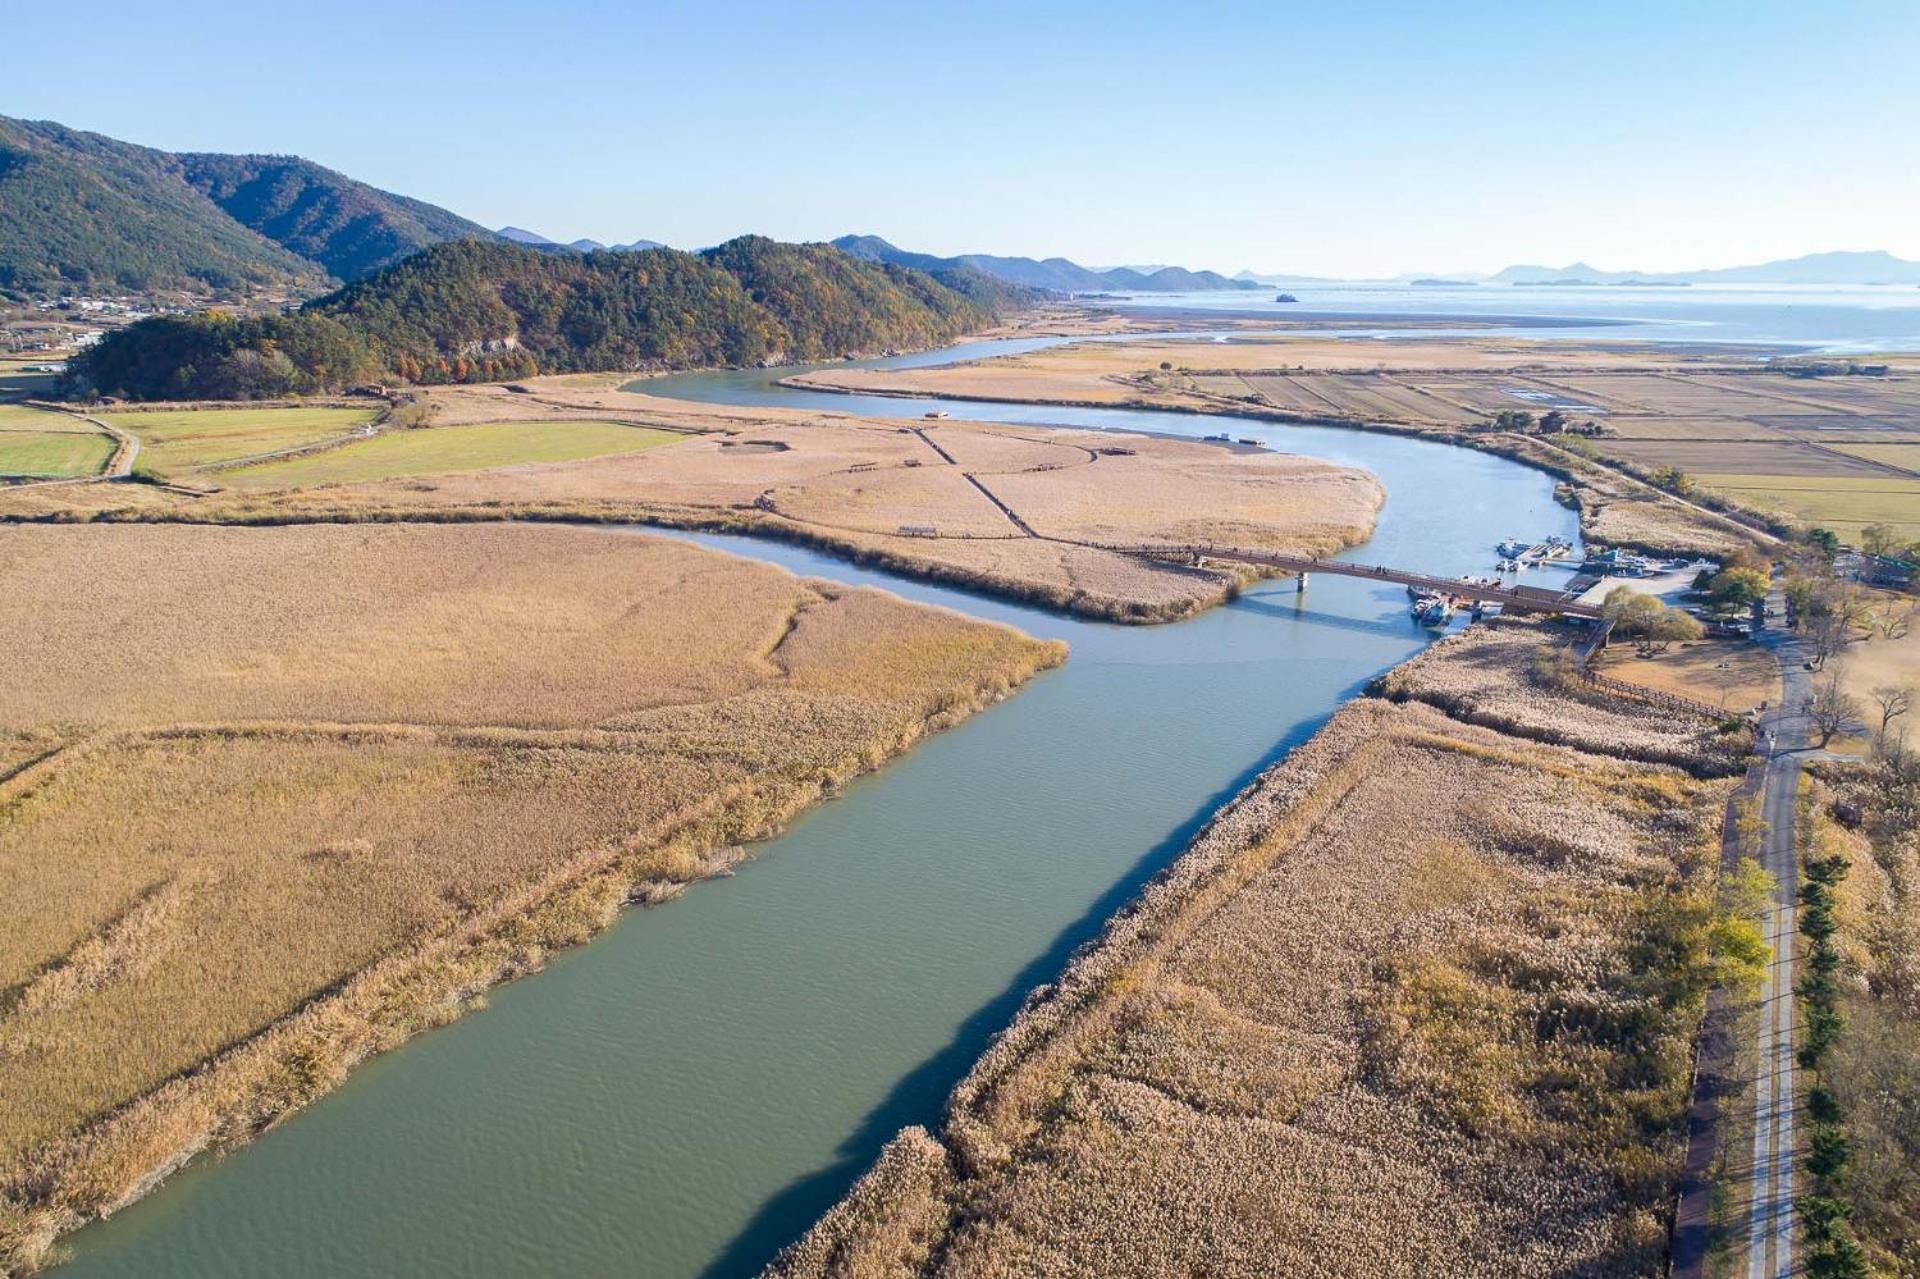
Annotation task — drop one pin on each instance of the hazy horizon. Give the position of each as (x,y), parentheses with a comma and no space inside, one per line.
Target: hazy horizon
(1278,140)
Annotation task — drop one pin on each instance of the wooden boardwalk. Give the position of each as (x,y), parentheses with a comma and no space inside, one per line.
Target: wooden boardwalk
(1519,600)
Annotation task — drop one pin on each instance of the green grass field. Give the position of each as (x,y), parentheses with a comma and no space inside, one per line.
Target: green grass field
(53,454)
(442,449)
(1845,504)
(171,443)
(1907,455)
(18,417)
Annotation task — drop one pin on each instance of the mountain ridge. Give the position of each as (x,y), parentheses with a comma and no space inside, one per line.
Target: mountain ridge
(84,210)
(1058,275)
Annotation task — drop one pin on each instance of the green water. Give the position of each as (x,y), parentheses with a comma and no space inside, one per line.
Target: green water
(687,1093)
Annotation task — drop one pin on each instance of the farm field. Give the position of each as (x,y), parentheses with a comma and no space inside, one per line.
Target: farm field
(20,417)
(1705,412)
(1845,504)
(377,769)
(1906,456)
(175,442)
(446,449)
(1336,1027)
(54,454)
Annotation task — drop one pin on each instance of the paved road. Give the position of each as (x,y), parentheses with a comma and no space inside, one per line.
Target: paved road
(1771,1176)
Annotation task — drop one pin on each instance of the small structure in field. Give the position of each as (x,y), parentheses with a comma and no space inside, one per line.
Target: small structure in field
(919,530)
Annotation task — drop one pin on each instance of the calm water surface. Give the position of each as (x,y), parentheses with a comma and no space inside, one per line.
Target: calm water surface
(1860,318)
(684,1095)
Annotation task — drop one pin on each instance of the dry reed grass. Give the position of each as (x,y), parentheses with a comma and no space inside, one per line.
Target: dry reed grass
(1489,675)
(1417,1002)
(851,486)
(280,797)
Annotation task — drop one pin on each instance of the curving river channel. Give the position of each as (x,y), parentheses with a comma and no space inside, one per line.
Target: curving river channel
(686,1094)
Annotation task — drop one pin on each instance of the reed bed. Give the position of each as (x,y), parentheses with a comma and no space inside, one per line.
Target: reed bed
(1495,675)
(885,493)
(1419,1001)
(275,799)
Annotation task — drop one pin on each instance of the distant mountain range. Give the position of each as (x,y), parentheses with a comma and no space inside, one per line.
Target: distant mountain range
(81,210)
(1814,268)
(532,239)
(1264,280)
(1876,267)
(1057,274)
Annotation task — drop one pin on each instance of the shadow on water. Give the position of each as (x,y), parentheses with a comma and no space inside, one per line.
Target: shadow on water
(919,1096)
(1399,628)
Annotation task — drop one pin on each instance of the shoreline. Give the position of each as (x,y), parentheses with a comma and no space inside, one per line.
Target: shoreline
(223,1101)
(930,1194)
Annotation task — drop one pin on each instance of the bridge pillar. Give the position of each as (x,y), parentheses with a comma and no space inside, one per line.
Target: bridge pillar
(1300,584)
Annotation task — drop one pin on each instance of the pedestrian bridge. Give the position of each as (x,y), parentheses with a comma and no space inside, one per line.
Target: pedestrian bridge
(1517,599)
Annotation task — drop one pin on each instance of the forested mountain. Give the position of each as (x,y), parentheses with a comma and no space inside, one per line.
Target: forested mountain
(347,227)
(1057,274)
(84,211)
(78,210)
(473,311)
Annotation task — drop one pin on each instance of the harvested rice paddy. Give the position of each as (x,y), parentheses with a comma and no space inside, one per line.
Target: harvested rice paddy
(1845,504)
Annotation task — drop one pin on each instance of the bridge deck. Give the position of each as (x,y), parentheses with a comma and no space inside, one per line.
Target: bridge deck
(1504,596)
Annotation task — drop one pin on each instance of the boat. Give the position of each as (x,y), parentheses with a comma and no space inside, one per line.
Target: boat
(1511,548)
(1218,439)
(1432,610)
(1247,439)
(1285,297)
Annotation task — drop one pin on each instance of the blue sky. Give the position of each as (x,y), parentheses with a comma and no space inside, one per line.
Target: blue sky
(1341,139)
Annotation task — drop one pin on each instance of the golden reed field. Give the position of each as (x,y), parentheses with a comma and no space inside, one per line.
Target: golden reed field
(273,799)
(992,507)
(1418,1002)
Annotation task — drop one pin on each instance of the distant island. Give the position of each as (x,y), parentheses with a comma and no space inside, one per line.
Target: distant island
(1436,282)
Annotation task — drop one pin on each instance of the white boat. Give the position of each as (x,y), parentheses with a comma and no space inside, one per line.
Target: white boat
(1432,610)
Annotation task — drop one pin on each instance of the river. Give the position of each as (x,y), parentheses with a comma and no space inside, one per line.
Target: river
(687,1093)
